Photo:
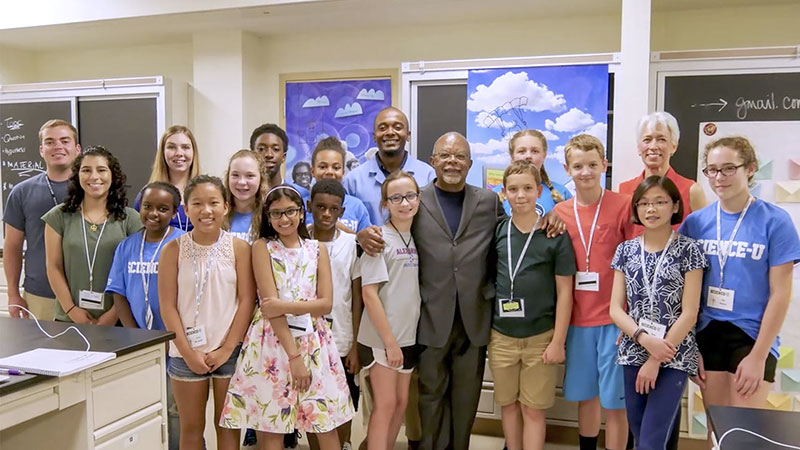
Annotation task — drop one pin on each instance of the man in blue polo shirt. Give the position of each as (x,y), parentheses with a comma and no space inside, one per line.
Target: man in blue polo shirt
(391,134)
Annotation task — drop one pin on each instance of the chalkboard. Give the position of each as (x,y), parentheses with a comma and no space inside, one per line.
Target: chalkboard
(716,98)
(127,128)
(19,138)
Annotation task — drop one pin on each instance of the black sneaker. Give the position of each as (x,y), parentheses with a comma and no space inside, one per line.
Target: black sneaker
(290,439)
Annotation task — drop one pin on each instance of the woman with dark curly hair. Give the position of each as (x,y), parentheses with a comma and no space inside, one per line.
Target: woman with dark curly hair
(81,234)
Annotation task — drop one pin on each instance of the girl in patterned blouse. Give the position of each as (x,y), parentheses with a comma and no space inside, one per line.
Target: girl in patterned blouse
(654,301)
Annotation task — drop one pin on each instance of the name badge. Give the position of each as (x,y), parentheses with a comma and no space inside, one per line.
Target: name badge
(587,281)
(196,336)
(720,298)
(90,300)
(300,325)
(511,307)
(652,328)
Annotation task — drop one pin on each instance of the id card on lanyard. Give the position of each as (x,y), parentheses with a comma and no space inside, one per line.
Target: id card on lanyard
(586,280)
(88,298)
(514,306)
(650,322)
(196,334)
(718,297)
(148,313)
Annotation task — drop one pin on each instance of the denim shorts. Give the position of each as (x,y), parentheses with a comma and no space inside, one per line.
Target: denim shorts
(178,370)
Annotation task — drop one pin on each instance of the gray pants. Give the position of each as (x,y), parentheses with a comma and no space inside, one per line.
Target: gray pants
(450,381)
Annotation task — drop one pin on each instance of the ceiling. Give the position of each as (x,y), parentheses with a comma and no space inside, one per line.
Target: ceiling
(335,15)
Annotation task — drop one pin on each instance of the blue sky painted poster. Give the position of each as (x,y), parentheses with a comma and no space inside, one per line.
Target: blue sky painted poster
(560,101)
(344,109)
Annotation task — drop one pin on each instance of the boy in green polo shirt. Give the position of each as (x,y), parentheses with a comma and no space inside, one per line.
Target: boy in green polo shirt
(531,313)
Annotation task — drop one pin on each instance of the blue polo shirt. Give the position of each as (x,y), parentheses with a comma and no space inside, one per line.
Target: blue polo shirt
(365,183)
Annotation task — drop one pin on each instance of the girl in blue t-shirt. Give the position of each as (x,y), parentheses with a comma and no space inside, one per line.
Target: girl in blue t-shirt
(654,302)
(246,182)
(747,290)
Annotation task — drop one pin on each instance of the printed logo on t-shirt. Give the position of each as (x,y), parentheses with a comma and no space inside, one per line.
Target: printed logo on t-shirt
(144,267)
(409,255)
(738,249)
(350,223)
(245,236)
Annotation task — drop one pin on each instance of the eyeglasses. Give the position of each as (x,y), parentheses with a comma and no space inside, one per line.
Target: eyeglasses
(289,213)
(460,157)
(655,204)
(711,172)
(397,199)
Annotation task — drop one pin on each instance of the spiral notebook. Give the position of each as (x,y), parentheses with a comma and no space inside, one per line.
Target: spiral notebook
(54,362)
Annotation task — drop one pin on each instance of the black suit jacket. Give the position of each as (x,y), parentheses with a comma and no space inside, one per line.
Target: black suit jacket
(456,268)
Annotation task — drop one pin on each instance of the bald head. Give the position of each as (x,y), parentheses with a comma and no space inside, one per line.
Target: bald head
(391,132)
(451,159)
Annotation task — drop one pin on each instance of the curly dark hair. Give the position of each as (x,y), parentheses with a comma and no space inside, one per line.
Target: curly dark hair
(116,202)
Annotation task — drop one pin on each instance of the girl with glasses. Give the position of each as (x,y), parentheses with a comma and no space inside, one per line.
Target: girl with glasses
(289,375)
(654,302)
(751,246)
(390,291)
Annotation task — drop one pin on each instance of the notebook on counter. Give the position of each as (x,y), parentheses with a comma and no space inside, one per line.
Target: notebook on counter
(54,362)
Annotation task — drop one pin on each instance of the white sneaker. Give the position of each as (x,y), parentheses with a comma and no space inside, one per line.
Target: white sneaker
(347,446)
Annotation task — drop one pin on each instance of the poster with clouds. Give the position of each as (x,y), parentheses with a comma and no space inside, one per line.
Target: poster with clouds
(560,101)
(344,109)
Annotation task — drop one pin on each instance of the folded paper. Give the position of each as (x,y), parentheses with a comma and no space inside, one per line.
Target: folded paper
(781,402)
(698,406)
(790,380)
(764,171)
(794,169)
(786,358)
(699,424)
(787,191)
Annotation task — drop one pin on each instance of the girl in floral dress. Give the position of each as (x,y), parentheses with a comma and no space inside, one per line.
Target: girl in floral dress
(289,374)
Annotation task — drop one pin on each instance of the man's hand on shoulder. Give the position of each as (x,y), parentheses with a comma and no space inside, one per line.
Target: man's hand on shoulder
(371,240)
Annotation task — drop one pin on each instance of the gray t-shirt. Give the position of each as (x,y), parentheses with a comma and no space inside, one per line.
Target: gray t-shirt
(24,208)
(76,267)
(396,270)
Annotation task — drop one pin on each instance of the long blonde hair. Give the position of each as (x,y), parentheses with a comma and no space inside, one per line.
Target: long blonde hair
(160,170)
(557,197)
(261,195)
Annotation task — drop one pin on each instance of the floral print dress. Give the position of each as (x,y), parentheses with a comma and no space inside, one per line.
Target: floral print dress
(260,395)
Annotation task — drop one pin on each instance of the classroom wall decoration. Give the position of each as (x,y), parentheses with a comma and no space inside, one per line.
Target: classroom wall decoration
(344,109)
(559,101)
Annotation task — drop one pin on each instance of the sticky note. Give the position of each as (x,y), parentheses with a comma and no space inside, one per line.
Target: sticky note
(698,405)
(781,402)
(790,380)
(786,358)
(764,171)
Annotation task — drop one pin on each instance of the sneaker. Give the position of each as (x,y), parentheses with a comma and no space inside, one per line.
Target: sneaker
(290,439)
(347,446)
(413,445)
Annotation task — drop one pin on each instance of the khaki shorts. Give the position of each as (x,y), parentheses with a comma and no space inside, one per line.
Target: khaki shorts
(44,308)
(518,371)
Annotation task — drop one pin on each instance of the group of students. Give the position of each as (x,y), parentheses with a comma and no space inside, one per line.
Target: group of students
(265,289)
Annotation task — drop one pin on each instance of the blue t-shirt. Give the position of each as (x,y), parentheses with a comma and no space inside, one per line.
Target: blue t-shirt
(365,183)
(765,238)
(180,220)
(240,226)
(127,270)
(545,203)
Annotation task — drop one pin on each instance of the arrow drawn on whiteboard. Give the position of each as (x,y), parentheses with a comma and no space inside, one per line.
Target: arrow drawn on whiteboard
(722,104)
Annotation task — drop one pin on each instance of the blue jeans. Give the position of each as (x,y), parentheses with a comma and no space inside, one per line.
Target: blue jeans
(652,416)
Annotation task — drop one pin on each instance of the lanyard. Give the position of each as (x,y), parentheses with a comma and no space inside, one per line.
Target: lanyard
(198,286)
(180,222)
(50,188)
(407,244)
(591,230)
(148,314)
(513,273)
(648,288)
(90,262)
(722,252)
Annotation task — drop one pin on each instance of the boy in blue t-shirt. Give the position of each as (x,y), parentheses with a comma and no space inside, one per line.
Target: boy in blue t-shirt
(133,278)
(327,162)
(531,313)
